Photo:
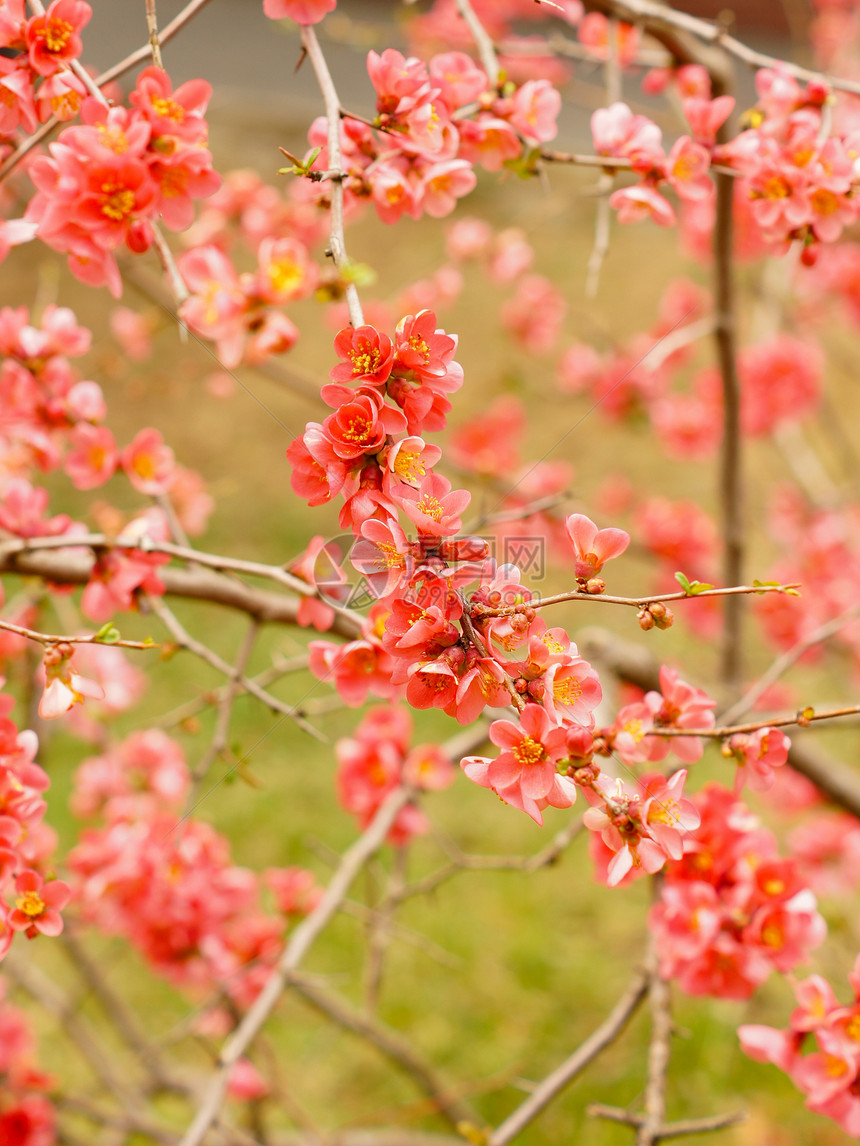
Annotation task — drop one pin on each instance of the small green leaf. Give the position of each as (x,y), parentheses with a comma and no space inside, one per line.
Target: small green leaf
(692,588)
(108,634)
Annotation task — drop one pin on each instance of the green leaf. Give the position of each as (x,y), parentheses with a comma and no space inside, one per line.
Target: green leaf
(692,588)
(107,634)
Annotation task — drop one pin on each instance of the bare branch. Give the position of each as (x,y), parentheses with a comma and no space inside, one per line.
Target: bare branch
(563,1075)
(301,941)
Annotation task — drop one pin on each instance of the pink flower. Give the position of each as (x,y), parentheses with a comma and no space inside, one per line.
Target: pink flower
(534,110)
(148,462)
(593,547)
(38,905)
(93,457)
(53,39)
(643,201)
(302,11)
(63,686)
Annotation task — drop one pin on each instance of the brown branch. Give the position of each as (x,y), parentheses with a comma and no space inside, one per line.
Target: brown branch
(184,639)
(563,1075)
(61,639)
(302,939)
(678,32)
(337,243)
(389,1043)
(486,51)
(721,731)
(679,1129)
(659,1001)
(226,701)
(633,602)
(69,568)
(152,27)
(633,663)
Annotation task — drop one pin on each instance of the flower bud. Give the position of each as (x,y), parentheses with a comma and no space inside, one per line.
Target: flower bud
(646,621)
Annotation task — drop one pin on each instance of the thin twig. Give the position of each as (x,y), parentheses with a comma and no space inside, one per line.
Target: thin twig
(337,243)
(680,1129)
(152,26)
(784,662)
(186,641)
(563,1075)
(301,941)
(454,1109)
(226,702)
(659,1000)
(486,51)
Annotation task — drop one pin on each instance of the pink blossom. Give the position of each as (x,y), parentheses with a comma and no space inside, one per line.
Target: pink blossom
(38,905)
(302,11)
(593,547)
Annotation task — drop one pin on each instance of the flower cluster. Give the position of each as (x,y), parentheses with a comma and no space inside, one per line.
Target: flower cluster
(731,910)
(819,1050)
(107,180)
(28,901)
(169,885)
(378,759)
(35,77)
(434,123)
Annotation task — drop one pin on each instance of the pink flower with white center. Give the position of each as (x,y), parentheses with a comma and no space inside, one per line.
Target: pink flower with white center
(434,507)
(530,751)
(53,39)
(666,816)
(687,166)
(758,754)
(63,686)
(593,547)
(643,201)
(148,463)
(38,904)
(534,111)
(445,183)
(368,356)
(302,11)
